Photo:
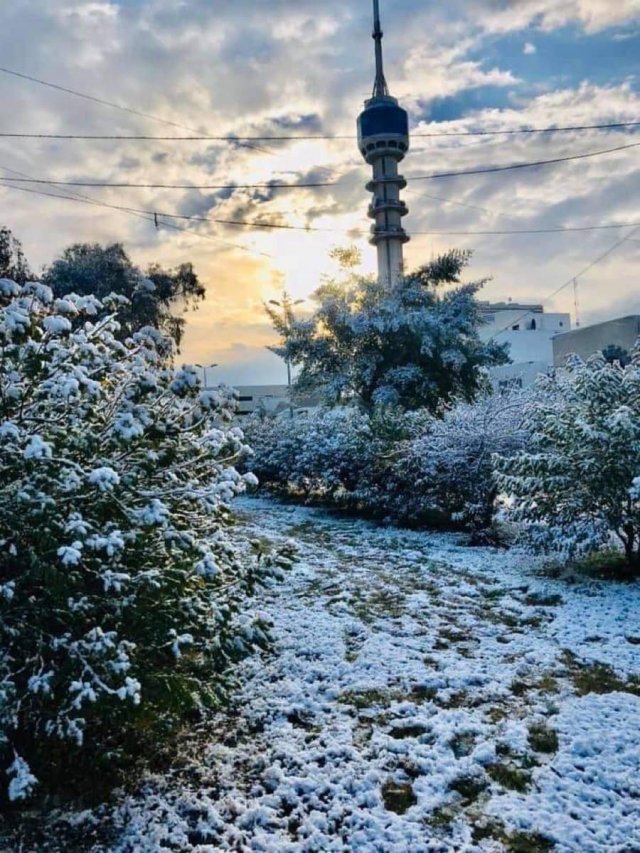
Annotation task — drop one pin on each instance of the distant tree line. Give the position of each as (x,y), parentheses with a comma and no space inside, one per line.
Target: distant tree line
(155,297)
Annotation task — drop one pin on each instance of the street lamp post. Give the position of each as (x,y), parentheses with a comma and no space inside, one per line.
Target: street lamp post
(204,368)
(287,304)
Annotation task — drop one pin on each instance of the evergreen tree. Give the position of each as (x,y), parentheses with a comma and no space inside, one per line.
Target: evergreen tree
(614,352)
(416,346)
(91,269)
(13,264)
(576,486)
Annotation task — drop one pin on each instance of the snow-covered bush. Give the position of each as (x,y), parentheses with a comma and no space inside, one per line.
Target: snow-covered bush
(445,468)
(577,486)
(328,453)
(410,467)
(121,586)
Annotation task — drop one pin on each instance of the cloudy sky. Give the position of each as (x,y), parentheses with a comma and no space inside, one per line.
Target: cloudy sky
(303,67)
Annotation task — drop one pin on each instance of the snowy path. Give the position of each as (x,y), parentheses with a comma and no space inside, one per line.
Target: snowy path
(421,696)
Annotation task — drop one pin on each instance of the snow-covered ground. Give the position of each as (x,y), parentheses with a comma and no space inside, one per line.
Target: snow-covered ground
(420,696)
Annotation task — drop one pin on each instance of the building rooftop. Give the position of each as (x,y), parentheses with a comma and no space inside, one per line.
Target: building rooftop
(603,324)
(511,306)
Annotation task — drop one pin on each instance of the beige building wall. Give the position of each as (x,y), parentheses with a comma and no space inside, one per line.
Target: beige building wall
(623,332)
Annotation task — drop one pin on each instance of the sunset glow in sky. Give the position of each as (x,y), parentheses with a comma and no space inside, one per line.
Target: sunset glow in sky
(284,68)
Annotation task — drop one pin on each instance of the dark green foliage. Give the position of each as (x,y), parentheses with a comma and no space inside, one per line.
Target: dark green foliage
(614,353)
(13,264)
(91,269)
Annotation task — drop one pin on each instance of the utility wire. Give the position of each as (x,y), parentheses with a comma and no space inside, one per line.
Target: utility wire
(519,130)
(527,165)
(445,200)
(570,281)
(314,184)
(116,106)
(266,138)
(125,185)
(294,137)
(152,215)
(148,216)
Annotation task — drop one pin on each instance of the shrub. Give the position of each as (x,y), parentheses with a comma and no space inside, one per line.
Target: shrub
(121,586)
(447,468)
(577,486)
(327,454)
(408,467)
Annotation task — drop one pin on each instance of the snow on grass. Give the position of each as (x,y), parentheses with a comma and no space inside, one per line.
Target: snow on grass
(420,696)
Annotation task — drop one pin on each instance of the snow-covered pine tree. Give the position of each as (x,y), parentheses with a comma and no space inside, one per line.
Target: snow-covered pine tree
(121,587)
(577,486)
(415,347)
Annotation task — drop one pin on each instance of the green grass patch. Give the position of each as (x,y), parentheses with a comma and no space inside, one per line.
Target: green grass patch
(462,744)
(509,777)
(469,787)
(529,842)
(398,797)
(538,599)
(519,842)
(543,739)
(441,818)
(598,677)
(366,698)
(403,730)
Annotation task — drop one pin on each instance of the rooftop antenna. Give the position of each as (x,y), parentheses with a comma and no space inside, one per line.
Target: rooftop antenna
(576,302)
(380,88)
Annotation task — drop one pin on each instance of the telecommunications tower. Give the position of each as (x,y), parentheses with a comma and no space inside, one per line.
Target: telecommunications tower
(383,139)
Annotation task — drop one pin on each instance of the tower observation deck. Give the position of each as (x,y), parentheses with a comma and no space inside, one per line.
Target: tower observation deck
(383,139)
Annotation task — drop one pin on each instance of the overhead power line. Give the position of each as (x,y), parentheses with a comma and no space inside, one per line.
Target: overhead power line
(127,185)
(527,165)
(313,184)
(236,138)
(565,129)
(147,216)
(569,282)
(105,103)
(157,216)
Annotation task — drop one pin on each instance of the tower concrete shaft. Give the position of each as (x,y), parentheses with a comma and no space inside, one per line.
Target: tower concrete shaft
(383,139)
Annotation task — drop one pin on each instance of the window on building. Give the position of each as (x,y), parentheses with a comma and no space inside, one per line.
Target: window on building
(245,399)
(516,328)
(533,325)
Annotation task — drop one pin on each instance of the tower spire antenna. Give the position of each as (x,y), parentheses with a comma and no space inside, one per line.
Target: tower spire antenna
(380,88)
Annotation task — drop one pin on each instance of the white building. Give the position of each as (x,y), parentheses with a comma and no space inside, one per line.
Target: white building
(270,399)
(529,331)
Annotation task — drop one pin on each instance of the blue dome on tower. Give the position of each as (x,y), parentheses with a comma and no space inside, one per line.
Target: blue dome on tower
(383,127)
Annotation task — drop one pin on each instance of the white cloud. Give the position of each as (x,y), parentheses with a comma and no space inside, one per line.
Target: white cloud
(529,48)
(593,15)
